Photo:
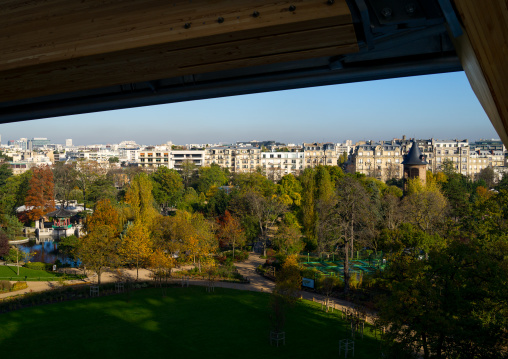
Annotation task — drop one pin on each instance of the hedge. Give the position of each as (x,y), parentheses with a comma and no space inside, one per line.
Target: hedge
(36,265)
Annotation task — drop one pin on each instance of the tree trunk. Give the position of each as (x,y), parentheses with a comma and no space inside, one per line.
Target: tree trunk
(352,234)
(233,251)
(440,346)
(17,259)
(137,269)
(84,201)
(99,272)
(426,353)
(346,264)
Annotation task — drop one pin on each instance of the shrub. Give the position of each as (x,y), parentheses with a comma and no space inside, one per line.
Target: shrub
(240,256)
(36,265)
(329,284)
(5,285)
(19,286)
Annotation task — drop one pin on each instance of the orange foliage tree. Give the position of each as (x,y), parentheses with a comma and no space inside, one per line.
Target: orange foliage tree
(230,231)
(105,214)
(40,196)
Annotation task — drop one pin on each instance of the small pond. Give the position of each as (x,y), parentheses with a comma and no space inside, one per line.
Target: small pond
(46,252)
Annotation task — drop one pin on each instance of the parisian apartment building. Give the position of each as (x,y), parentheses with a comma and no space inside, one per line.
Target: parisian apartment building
(381,159)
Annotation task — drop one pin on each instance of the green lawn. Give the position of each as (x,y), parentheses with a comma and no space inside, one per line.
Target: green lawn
(10,273)
(187,323)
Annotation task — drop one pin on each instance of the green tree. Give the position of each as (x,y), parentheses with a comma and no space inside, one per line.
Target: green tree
(64,176)
(188,170)
(87,172)
(265,211)
(448,167)
(140,200)
(289,190)
(13,193)
(488,175)
(254,182)
(342,160)
(288,239)
(11,226)
(343,219)
(68,246)
(425,207)
(113,160)
(102,188)
(5,173)
(324,186)
(212,176)
(308,212)
(449,306)
(4,244)
(167,187)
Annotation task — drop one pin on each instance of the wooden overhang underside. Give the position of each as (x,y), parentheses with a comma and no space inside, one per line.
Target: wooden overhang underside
(61,57)
(60,46)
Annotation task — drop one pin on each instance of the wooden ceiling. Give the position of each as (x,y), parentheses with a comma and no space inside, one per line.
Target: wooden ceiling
(60,46)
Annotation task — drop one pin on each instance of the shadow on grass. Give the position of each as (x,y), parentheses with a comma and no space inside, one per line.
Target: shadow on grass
(186,322)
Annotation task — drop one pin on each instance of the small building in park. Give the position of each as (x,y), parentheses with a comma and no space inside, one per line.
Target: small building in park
(61,222)
(415,166)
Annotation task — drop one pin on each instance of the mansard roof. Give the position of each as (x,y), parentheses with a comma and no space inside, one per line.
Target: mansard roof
(414,157)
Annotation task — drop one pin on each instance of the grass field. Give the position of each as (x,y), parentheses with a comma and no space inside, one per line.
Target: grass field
(10,273)
(186,323)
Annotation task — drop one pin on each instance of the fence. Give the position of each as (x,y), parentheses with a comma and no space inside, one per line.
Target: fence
(363,255)
(332,264)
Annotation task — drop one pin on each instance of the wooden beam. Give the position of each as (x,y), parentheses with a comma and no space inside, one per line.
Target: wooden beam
(483,51)
(56,30)
(158,62)
(57,46)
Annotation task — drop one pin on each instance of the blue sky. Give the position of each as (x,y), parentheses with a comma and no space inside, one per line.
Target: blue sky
(441,106)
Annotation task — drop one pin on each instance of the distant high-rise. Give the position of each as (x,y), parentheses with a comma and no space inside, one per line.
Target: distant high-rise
(38,142)
(68,142)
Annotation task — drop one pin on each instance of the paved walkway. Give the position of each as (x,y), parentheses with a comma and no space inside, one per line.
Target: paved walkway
(257,283)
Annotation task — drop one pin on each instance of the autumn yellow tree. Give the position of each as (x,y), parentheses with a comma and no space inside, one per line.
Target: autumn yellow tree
(140,200)
(425,206)
(288,281)
(161,263)
(195,235)
(98,249)
(136,246)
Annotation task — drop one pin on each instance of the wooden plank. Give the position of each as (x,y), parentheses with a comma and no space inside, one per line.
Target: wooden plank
(162,61)
(483,51)
(37,32)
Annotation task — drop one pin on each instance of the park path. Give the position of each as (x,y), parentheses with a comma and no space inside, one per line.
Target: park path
(257,283)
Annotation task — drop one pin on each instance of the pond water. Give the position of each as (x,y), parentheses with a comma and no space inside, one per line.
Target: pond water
(46,251)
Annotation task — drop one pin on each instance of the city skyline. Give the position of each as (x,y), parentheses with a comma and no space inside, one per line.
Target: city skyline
(435,106)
